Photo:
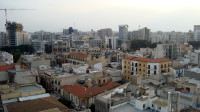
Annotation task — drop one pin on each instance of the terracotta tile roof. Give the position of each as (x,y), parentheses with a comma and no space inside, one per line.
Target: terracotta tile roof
(7,67)
(36,105)
(81,91)
(102,49)
(11,67)
(79,54)
(157,60)
(130,57)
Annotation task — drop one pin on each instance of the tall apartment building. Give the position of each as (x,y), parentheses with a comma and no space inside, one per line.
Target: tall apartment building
(112,42)
(14,33)
(197,32)
(25,38)
(107,32)
(123,33)
(141,34)
(97,43)
(61,46)
(2,39)
(43,36)
(145,67)
(170,51)
(70,31)
(39,46)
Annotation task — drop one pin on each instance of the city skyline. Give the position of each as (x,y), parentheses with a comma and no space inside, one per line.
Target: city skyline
(53,16)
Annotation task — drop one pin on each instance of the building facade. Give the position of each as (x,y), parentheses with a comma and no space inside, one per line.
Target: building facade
(107,32)
(123,33)
(197,32)
(14,33)
(112,42)
(145,67)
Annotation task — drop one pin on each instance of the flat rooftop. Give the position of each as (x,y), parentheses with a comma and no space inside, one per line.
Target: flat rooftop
(126,108)
(28,88)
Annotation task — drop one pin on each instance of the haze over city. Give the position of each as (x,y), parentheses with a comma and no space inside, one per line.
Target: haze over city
(54,15)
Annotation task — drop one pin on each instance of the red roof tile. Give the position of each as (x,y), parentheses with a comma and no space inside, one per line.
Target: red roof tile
(78,54)
(102,49)
(130,57)
(11,67)
(82,91)
(157,60)
(7,67)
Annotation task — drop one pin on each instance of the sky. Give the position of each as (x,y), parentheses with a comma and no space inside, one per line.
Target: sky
(84,15)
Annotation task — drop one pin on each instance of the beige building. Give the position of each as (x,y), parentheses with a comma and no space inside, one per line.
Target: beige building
(145,67)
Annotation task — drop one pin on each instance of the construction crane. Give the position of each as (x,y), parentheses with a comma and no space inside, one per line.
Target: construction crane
(7,21)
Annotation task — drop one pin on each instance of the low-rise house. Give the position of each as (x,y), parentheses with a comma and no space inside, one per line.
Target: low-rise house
(77,58)
(32,61)
(45,104)
(83,96)
(6,58)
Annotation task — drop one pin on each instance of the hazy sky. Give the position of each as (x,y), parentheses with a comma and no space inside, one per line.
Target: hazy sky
(54,15)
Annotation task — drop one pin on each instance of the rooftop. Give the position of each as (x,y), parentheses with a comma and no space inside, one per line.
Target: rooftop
(82,91)
(157,60)
(160,103)
(93,62)
(11,67)
(125,108)
(36,105)
(28,88)
(79,54)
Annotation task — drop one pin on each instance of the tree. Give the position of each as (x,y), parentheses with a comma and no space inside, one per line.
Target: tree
(137,44)
(65,102)
(92,107)
(16,51)
(195,44)
(43,82)
(48,48)
(16,55)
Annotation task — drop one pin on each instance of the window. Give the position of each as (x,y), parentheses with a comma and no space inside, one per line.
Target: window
(168,65)
(143,105)
(148,71)
(165,65)
(161,66)
(132,64)
(159,108)
(139,69)
(152,105)
(154,66)
(188,89)
(135,64)
(144,65)
(139,64)
(124,66)
(154,72)
(148,66)
(131,73)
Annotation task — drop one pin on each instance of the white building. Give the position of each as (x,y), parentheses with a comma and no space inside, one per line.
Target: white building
(39,46)
(155,103)
(6,58)
(123,33)
(170,51)
(112,42)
